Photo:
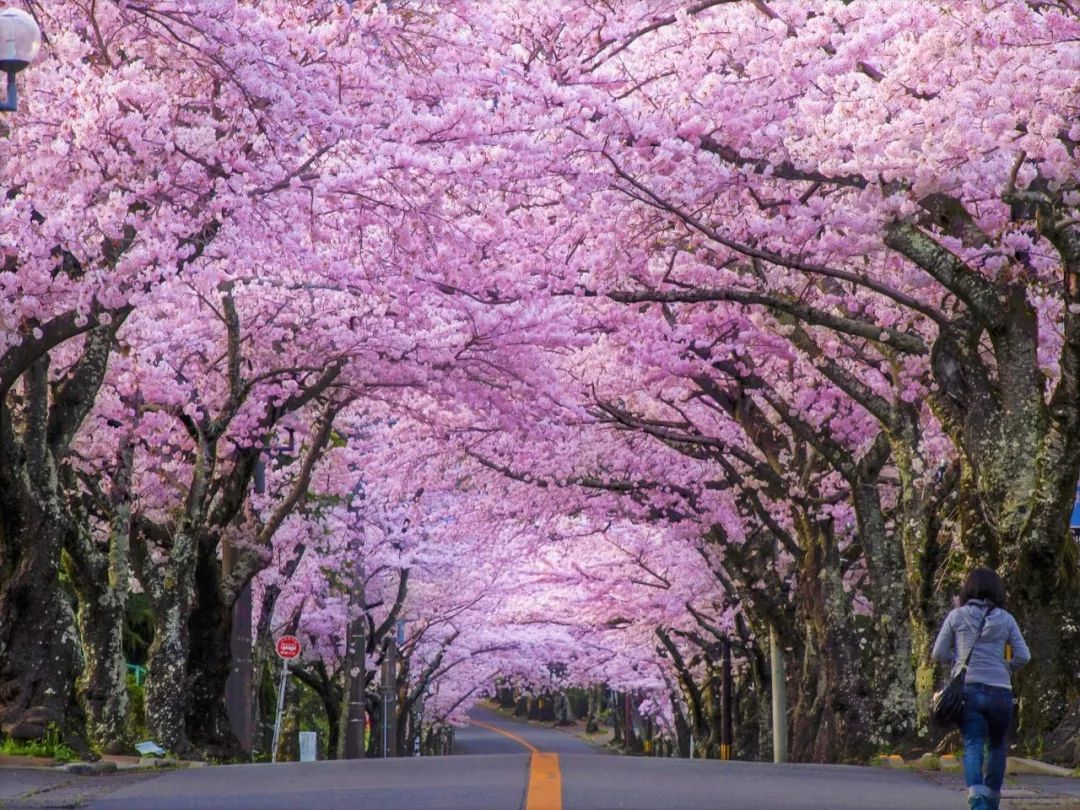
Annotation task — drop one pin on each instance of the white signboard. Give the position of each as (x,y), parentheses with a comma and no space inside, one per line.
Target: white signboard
(307,746)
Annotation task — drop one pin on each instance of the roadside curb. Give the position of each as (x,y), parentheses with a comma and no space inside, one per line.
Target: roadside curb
(1034,766)
(1015,766)
(105,765)
(88,768)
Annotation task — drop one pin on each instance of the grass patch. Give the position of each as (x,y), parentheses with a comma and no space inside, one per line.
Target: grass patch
(48,746)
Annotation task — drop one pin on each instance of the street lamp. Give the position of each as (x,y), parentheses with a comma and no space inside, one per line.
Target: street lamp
(20,39)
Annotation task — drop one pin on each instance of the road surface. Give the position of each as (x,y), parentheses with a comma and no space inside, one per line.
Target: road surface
(501,764)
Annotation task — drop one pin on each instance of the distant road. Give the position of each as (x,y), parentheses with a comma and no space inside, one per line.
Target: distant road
(501,764)
(483,736)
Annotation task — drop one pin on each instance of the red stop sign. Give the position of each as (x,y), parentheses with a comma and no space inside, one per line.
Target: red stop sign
(288,646)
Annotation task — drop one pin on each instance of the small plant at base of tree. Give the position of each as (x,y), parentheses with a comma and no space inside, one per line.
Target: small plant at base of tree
(48,746)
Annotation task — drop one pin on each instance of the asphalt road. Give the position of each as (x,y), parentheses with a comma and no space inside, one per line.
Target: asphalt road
(481,739)
(496,769)
(494,782)
(16,782)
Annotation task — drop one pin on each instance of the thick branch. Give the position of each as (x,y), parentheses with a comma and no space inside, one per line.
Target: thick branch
(946,267)
(847,382)
(784,170)
(906,342)
(779,259)
(75,396)
(395,610)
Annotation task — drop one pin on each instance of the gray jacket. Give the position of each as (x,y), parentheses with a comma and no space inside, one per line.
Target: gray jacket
(988,665)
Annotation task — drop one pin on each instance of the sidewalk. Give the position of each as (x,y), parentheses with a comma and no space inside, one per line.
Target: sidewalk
(1021,792)
(1029,783)
(109,763)
(39,782)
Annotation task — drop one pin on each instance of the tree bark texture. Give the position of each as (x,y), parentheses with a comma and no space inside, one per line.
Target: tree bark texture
(832,714)
(101,578)
(172,594)
(39,651)
(210,659)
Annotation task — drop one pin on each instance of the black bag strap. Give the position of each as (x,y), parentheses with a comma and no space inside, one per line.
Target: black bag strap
(975,640)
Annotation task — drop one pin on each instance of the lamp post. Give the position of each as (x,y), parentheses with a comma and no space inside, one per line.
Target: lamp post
(20,40)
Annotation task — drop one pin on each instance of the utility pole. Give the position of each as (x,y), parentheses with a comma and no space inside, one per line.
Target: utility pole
(356,639)
(355,668)
(726,733)
(779,698)
(389,718)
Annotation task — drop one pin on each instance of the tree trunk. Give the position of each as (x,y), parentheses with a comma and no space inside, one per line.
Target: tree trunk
(210,660)
(103,685)
(332,705)
(1022,469)
(101,580)
(167,696)
(893,676)
(1019,448)
(1046,606)
(355,669)
(682,727)
(592,722)
(833,711)
(564,715)
(919,525)
(172,591)
(39,652)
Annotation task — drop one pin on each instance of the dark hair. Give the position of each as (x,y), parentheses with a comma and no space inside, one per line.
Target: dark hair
(983,583)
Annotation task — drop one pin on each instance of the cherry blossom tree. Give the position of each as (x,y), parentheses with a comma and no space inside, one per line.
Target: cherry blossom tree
(900,220)
(660,324)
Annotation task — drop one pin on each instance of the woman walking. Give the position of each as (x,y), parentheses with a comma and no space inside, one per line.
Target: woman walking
(983,627)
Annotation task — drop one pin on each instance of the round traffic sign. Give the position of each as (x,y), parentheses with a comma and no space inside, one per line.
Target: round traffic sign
(288,647)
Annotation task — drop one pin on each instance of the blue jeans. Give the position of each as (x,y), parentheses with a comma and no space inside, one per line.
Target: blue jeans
(987,714)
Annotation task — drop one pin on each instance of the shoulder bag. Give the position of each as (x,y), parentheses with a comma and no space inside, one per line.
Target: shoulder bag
(947,706)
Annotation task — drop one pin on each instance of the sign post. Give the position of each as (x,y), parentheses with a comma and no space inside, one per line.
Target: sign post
(288,648)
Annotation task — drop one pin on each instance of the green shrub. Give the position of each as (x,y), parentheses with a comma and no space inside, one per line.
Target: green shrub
(136,708)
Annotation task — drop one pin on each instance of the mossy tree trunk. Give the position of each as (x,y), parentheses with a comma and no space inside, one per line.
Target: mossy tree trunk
(833,715)
(1018,437)
(101,578)
(40,657)
(172,594)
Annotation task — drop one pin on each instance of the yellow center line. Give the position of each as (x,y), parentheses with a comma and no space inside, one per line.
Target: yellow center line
(545,783)
(519,740)
(545,779)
